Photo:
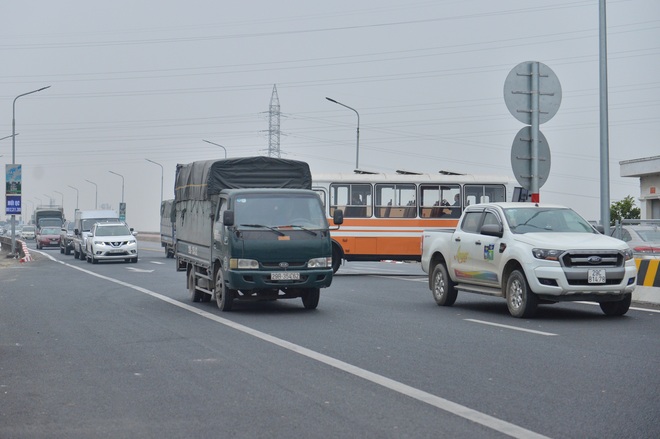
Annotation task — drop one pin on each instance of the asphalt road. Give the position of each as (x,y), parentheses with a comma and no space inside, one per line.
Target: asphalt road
(118,350)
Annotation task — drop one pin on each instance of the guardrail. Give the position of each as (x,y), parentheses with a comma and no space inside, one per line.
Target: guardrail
(648,274)
(5,242)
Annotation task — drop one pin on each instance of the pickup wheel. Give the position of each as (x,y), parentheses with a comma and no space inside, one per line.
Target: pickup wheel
(442,287)
(224,297)
(310,298)
(617,308)
(520,300)
(195,294)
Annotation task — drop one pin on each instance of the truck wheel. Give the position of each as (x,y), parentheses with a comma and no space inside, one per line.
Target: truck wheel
(617,308)
(336,259)
(520,300)
(67,250)
(195,294)
(224,297)
(311,297)
(442,287)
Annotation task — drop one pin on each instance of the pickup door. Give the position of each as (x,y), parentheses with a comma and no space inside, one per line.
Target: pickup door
(477,257)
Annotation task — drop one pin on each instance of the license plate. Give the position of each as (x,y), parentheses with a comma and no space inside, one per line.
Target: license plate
(596,276)
(285,275)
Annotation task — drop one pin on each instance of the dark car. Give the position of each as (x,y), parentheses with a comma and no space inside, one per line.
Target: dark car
(48,237)
(66,237)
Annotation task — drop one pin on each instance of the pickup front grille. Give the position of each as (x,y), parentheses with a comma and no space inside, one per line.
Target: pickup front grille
(592,259)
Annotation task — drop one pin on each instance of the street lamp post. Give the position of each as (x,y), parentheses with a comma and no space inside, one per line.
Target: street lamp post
(216,144)
(62,196)
(161,179)
(96,198)
(122,184)
(13,159)
(77,195)
(357,146)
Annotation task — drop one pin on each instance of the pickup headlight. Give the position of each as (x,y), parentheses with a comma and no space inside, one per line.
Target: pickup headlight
(628,254)
(320,262)
(547,254)
(243,264)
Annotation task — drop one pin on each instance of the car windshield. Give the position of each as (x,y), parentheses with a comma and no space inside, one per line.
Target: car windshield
(547,220)
(117,230)
(50,231)
(649,235)
(271,210)
(87,224)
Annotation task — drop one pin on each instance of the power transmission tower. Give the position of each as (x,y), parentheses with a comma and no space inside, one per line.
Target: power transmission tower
(274,125)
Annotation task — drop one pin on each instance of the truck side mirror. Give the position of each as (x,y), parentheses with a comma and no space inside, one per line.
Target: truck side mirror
(338,217)
(76,232)
(228,218)
(492,230)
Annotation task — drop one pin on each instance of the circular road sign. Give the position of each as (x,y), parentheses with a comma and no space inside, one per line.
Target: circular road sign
(518,92)
(521,158)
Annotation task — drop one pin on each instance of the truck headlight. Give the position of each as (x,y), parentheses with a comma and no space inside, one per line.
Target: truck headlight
(547,254)
(320,262)
(628,254)
(243,264)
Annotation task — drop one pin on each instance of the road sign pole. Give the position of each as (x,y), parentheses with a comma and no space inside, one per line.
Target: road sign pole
(535,132)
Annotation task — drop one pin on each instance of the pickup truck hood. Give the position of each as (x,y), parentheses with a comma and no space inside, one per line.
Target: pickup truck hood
(565,241)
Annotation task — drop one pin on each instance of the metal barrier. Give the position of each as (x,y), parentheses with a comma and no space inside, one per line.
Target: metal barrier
(648,274)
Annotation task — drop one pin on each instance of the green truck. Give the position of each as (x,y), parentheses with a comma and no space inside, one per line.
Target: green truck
(251,229)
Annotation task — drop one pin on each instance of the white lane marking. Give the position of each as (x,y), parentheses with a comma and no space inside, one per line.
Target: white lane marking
(157,262)
(515,328)
(139,270)
(475,416)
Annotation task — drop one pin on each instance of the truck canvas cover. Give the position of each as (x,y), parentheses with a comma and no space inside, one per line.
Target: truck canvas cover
(202,179)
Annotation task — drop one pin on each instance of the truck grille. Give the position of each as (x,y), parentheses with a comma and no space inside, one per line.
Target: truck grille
(592,259)
(576,264)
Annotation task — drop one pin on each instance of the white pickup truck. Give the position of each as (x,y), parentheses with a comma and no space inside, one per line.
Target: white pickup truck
(529,254)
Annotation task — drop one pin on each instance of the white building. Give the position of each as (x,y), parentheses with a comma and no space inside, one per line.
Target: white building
(648,171)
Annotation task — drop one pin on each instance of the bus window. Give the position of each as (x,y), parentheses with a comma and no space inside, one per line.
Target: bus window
(484,193)
(321,194)
(440,201)
(354,199)
(395,200)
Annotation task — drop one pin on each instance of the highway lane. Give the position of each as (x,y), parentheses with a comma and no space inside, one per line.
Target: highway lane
(378,358)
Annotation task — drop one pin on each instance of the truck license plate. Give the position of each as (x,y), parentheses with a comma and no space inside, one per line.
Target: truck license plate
(285,275)
(596,276)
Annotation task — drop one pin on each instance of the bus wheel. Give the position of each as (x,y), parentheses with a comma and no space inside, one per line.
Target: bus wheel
(195,294)
(311,297)
(224,296)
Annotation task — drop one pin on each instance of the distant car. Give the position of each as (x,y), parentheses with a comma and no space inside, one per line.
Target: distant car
(111,241)
(643,239)
(48,237)
(28,232)
(66,237)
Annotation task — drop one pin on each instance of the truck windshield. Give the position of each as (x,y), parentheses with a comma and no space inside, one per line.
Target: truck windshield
(550,220)
(274,210)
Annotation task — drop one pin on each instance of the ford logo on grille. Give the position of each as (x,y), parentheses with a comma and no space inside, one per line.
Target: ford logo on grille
(284,264)
(595,259)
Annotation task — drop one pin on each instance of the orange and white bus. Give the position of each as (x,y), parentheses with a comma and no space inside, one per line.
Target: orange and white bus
(385,214)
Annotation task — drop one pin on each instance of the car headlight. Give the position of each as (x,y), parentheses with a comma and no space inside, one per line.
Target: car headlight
(243,264)
(547,254)
(628,254)
(320,262)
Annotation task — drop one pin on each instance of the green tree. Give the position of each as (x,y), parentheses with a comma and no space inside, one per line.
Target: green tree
(624,209)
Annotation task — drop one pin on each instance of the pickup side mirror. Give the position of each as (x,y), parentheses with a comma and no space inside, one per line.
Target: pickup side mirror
(228,218)
(338,217)
(492,230)
(600,229)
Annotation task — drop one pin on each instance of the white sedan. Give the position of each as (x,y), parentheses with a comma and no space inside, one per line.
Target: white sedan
(111,241)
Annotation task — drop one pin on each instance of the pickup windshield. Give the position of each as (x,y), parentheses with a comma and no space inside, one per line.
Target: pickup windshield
(547,220)
(280,211)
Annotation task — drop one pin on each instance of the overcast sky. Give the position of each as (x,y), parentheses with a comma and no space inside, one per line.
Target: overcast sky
(135,80)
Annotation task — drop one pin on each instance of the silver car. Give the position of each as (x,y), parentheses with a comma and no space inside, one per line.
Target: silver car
(643,239)
(111,241)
